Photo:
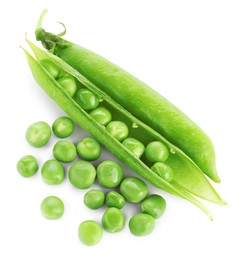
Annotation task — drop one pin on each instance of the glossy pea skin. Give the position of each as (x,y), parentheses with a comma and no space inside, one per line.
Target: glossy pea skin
(133,189)
(53,69)
(156,152)
(90,232)
(52,172)
(27,166)
(113,220)
(86,99)
(114,199)
(89,149)
(38,134)
(141,224)
(63,127)
(163,170)
(101,115)
(69,84)
(135,146)
(64,151)
(118,130)
(82,174)
(154,205)
(110,174)
(52,208)
(94,199)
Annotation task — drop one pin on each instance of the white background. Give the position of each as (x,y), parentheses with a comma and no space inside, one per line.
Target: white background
(189,52)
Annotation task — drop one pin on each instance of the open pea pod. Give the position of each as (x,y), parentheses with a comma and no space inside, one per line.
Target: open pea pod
(188,178)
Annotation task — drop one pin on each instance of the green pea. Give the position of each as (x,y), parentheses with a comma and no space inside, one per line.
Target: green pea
(154,205)
(27,166)
(53,69)
(141,224)
(113,220)
(38,134)
(163,170)
(90,232)
(101,115)
(52,208)
(118,130)
(64,151)
(135,146)
(94,199)
(156,152)
(63,127)
(82,174)
(52,172)
(114,199)
(69,84)
(86,99)
(133,189)
(109,174)
(89,149)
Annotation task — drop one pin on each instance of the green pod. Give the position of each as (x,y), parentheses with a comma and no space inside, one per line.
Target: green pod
(188,178)
(123,87)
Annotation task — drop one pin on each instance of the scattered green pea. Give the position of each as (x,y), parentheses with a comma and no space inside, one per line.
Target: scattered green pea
(38,134)
(156,152)
(69,84)
(53,69)
(27,166)
(64,151)
(118,130)
(52,208)
(134,145)
(101,115)
(86,99)
(52,172)
(82,174)
(90,232)
(63,127)
(154,205)
(113,220)
(89,149)
(94,199)
(114,199)
(163,170)
(141,224)
(109,174)
(133,189)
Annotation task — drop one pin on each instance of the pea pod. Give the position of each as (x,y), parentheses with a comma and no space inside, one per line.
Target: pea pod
(138,98)
(188,178)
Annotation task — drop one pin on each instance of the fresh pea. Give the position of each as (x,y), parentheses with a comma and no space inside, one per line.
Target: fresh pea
(156,152)
(113,220)
(82,174)
(118,130)
(134,145)
(114,199)
(133,189)
(63,127)
(163,170)
(90,232)
(88,148)
(154,205)
(101,115)
(86,99)
(27,166)
(64,151)
(52,207)
(52,172)
(141,224)
(94,199)
(53,69)
(69,84)
(109,174)
(38,134)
